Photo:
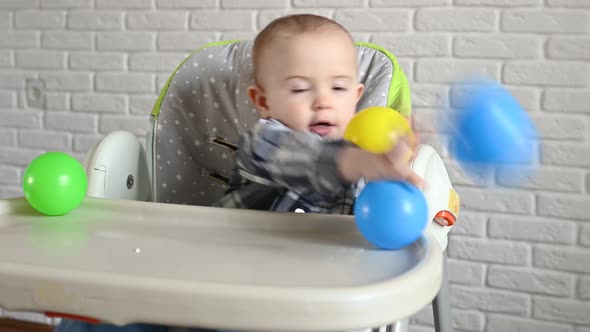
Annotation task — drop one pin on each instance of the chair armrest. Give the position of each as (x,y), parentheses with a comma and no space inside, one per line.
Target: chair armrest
(443,201)
(117,168)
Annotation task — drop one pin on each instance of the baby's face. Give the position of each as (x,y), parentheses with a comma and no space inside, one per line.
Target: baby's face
(309,82)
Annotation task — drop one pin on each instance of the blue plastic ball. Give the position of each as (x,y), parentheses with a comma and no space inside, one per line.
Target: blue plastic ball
(491,129)
(391,214)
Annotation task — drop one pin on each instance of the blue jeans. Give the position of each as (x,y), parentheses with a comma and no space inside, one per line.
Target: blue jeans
(68,325)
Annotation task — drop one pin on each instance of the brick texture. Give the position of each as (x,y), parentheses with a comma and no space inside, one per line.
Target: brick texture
(519,255)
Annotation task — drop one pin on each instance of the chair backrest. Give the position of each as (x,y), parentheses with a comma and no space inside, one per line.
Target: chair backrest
(204,107)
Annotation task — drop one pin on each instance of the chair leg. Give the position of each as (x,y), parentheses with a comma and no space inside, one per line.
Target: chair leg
(399,326)
(441,306)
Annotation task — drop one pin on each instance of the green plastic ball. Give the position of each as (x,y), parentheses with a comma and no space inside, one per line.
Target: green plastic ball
(54,183)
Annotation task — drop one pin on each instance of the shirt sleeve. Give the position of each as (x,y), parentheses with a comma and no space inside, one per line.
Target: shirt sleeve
(275,155)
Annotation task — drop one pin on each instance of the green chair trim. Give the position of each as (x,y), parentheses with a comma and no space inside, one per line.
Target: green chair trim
(398,97)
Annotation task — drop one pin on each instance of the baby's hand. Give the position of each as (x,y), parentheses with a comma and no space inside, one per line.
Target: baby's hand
(399,158)
(355,163)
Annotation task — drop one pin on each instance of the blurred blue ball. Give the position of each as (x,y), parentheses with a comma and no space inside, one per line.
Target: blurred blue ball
(491,129)
(391,214)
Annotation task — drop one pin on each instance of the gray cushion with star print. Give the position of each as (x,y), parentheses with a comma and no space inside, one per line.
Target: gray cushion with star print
(204,107)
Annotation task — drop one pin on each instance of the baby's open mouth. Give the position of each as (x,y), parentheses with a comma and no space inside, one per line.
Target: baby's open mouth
(321,128)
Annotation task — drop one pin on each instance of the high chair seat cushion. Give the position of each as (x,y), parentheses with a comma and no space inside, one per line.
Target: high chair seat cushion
(204,107)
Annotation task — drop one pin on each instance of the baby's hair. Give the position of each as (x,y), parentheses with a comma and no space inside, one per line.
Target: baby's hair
(294,24)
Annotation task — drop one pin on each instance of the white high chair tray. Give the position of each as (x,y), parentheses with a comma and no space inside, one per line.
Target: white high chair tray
(130,261)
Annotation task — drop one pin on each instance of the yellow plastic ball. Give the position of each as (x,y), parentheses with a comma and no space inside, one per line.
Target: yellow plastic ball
(377,129)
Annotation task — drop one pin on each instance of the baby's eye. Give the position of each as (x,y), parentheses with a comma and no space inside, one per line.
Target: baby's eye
(299,90)
(339,88)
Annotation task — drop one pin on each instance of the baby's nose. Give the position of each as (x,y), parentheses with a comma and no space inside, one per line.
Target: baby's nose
(323,101)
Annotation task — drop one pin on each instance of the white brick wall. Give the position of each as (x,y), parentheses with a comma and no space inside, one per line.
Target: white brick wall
(520,255)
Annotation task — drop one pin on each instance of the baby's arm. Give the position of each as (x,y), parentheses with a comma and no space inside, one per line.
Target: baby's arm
(274,155)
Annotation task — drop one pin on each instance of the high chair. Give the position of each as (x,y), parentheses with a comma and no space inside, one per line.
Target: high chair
(126,256)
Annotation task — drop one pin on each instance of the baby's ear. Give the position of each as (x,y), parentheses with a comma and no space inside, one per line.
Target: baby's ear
(360,90)
(256,94)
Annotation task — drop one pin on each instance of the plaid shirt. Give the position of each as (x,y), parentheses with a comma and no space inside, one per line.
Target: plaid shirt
(279,169)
